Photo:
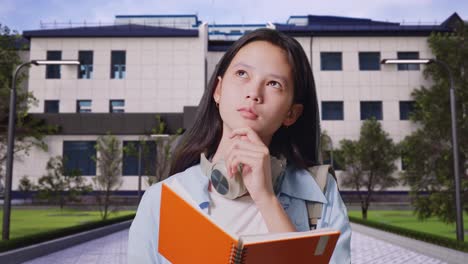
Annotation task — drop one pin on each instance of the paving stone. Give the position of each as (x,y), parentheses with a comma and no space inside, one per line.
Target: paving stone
(113,249)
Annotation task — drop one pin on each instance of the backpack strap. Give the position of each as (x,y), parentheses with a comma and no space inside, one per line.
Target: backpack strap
(320,175)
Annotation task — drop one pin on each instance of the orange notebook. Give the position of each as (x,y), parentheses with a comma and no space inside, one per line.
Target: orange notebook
(188,235)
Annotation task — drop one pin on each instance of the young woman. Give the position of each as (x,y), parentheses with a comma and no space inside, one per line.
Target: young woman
(260,107)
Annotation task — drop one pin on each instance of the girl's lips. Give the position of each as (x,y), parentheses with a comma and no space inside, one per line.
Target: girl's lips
(246,113)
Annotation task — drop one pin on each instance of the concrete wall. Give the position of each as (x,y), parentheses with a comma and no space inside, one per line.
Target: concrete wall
(162,74)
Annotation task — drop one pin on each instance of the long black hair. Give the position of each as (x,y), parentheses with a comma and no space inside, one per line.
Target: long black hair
(299,143)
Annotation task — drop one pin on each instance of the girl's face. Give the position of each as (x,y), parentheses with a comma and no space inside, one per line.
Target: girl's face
(257,90)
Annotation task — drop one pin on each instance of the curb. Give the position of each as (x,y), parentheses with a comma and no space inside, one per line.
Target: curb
(34,251)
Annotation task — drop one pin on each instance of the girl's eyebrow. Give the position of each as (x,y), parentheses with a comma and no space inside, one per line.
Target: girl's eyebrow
(282,78)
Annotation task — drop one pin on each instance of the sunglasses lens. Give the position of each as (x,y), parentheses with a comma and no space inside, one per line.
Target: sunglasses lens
(219,182)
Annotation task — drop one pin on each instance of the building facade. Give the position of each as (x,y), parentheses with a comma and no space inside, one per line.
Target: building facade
(148,65)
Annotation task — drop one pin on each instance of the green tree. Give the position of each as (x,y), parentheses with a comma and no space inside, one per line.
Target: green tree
(30,131)
(109,178)
(369,162)
(164,147)
(26,186)
(427,152)
(164,150)
(61,186)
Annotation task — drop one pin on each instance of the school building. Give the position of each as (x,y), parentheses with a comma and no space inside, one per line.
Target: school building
(141,66)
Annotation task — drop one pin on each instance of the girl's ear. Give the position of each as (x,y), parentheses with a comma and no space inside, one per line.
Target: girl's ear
(217,92)
(293,114)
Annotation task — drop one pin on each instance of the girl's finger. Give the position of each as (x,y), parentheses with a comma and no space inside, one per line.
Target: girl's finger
(249,132)
(247,163)
(232,167)
(241,144)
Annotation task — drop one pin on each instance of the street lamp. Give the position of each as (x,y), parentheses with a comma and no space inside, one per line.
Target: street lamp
(11,138)
(453,113)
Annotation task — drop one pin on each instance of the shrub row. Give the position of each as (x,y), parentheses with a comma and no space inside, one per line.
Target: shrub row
(19,242)
(426,237)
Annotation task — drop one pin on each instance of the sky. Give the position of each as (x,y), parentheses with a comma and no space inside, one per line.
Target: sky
(28,14)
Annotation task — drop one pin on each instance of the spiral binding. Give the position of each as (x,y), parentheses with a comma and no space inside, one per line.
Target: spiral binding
(237,254)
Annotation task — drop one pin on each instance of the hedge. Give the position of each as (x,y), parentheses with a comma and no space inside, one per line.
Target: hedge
(426,237)
(24,241)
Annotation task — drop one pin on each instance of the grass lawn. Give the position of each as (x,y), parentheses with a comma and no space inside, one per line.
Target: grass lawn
(30,221)
(406,219)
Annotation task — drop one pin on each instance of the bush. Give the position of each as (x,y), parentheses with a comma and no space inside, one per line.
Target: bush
(430,238)
(49,235)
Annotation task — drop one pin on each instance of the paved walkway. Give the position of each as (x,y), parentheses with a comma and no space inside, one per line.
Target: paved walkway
(365,248)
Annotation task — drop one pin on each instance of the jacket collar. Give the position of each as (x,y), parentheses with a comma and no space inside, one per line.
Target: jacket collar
(299,183)
(296,183)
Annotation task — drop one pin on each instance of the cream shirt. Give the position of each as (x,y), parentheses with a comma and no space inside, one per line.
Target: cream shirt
(238,217)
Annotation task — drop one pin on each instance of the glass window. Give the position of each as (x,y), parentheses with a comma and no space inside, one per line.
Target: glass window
(408,55)
(117,106)
(371,109)
(369,61)
(79,155)
(83,106)
(118,64)
(53,71)
(51,106)
(406,108)
(330,61)
(332,110)
(130,158)
(85,71)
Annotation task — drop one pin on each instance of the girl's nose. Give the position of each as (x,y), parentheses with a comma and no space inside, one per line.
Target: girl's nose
(256,99)
(254,93)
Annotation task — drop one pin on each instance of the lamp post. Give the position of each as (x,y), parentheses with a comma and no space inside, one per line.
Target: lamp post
(453,113)
(11,139)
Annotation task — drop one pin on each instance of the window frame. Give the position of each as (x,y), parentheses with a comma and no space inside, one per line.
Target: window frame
(53,71)
(365,116)
(85,66)
(120,108)
(332,117)
(119,63)
(79,108)
(326,66)
(369,67)
(409,66)
(86,158)
(51,101)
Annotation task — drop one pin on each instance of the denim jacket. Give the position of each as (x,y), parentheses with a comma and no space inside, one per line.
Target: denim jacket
(297,187)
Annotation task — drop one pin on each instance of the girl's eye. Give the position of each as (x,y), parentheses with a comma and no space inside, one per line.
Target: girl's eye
(241,73)
(274,84)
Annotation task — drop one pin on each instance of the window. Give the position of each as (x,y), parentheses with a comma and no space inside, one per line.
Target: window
(117,106)
(130,158)
(369,61)
(83,106)
(332,110)
(79,155)
(118,64)
(85,71)
(406,108)
(330,61)
(371,109)
(51,106)
(53,71)
(408,55)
